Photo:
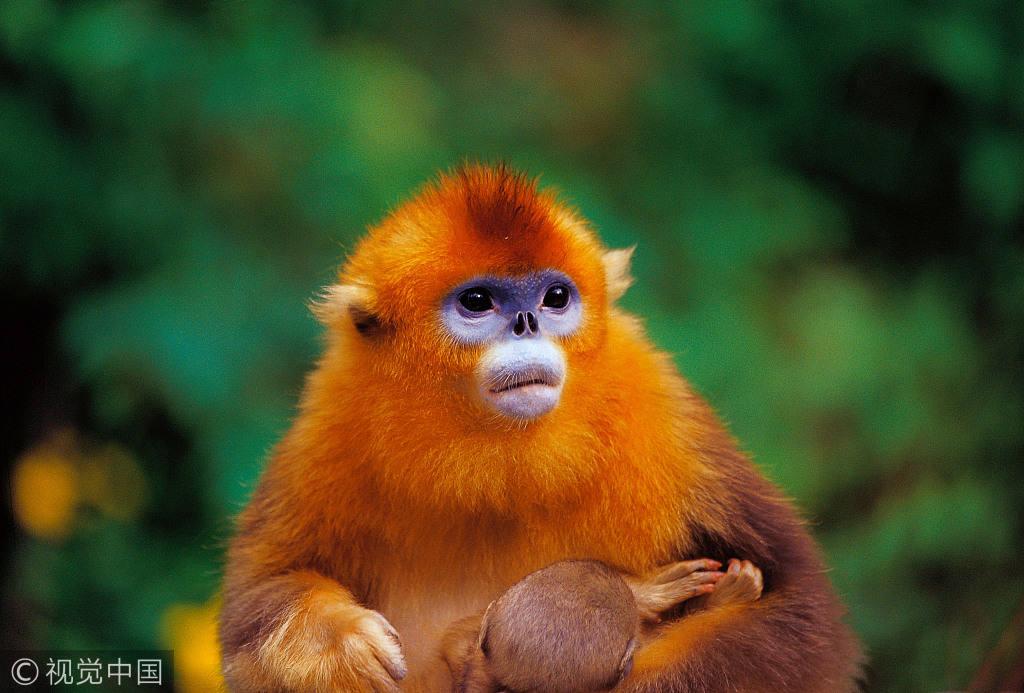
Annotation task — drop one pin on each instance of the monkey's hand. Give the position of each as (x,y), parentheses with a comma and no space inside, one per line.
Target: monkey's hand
(672,584)
(319,640)
(741,583)
(350,649)
(372,649)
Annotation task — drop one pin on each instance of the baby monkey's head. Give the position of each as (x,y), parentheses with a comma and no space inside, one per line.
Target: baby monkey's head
(569,627)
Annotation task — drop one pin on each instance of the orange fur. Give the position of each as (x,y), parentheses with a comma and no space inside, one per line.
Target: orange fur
(396,484)
(682,636)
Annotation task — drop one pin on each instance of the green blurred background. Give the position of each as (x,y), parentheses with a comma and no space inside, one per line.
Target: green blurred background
(828,204)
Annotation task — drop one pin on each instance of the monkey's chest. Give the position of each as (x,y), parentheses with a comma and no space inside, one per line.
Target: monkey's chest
(425,587)
(421,610)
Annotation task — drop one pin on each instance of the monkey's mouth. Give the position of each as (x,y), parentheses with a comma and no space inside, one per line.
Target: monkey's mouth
(517,383)
(523,392)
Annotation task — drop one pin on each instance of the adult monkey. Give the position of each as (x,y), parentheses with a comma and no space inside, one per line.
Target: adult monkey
(483,409)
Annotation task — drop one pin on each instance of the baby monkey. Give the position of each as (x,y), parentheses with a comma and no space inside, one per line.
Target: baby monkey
(574,625)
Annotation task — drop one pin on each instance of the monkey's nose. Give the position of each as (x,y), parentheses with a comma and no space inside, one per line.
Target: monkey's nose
(525,323)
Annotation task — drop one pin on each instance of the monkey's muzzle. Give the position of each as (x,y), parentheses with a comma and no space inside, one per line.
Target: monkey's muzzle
(522,380)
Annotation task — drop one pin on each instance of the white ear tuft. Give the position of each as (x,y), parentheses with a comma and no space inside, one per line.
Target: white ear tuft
(616,271)
(346,302)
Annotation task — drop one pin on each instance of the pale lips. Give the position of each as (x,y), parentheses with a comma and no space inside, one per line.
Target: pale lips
(519,383)
(526,395)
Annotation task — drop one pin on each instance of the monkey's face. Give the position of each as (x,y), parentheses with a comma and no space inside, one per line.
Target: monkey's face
(516,322)
(480,304)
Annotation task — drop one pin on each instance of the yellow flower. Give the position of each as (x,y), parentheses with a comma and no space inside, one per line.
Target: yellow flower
(45,490)
(191,631)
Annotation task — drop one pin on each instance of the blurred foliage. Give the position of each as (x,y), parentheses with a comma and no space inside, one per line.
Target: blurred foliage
(827,198)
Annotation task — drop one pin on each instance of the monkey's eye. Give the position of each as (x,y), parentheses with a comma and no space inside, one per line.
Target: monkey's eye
(476,299)
(557,296)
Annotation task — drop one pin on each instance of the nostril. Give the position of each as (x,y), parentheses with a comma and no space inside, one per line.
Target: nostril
(520,327)
(531,322)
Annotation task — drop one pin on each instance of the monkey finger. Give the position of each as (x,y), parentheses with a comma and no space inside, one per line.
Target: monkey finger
(383,673)
(386,625)
(735,566)
(674,571)
(394,665)
(385,645)
(701,578)
(690,586)
(682,594)
(371,668)
(704,589)
(706,576)
(754,575)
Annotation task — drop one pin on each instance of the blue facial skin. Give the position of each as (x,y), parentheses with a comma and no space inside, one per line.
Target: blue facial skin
(518,321)
(512,296)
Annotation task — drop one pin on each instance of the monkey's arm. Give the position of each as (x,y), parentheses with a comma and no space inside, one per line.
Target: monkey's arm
(286,628)
(791,639)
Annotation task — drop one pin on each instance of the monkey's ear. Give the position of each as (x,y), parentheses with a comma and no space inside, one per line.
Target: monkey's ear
(616,271)
(481,641)
(353,302)
(626,664)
